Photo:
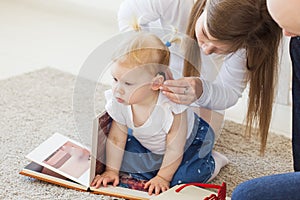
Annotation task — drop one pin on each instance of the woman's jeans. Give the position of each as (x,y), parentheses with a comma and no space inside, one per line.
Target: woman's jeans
(295,57)
(274,187)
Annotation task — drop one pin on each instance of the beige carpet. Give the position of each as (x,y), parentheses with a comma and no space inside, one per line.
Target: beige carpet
(245,162)
(35,105)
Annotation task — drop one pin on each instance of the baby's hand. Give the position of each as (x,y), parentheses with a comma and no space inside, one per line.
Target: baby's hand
(105,178)
(157,185)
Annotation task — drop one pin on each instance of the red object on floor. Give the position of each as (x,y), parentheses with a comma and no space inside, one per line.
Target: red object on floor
(221,195)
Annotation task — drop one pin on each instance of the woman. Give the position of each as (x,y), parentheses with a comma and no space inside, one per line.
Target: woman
(242,31)
(281,186)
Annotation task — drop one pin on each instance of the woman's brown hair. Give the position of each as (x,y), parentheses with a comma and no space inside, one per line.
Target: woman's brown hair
(245,24)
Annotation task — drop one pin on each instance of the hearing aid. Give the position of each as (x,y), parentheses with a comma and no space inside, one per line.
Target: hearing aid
(162,74)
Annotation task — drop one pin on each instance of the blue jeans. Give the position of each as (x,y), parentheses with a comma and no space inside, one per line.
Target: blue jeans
(295,57)
(197,164)
(274,187)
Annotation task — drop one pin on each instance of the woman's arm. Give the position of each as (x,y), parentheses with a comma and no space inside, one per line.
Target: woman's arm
(175,142)
(115,146)
(217,95)
(166,13)
(229,85)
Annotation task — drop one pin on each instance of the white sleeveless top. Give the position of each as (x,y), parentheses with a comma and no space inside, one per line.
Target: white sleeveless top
(152,134)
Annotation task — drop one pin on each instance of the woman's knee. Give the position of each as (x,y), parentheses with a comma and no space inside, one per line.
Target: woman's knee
(244,191)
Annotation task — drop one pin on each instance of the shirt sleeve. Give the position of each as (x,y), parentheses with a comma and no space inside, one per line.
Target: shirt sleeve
(113,108)
(164,13)
(229,84)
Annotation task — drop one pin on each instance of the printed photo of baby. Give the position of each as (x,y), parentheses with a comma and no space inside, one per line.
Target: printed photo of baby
(70,159)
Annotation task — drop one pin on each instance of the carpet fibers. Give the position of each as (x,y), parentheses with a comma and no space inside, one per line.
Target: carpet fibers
(35,105)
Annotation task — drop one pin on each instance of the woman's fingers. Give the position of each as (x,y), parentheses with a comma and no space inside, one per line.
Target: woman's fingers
(183,91)
(180,98)
(182,82)
(179,86)
(174,89)
(169,75)
(173,97)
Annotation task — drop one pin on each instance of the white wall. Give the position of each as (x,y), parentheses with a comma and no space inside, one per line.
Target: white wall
(62,33)
(56,33)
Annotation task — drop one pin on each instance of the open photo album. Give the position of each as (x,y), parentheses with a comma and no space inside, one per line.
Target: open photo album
(62,161)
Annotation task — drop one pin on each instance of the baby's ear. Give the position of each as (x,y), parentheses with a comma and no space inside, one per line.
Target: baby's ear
(158,80)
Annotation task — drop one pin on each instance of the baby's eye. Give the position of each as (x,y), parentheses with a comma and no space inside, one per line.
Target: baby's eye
(116,80)
(127,83)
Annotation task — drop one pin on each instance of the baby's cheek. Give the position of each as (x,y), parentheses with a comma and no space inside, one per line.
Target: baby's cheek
(135,97)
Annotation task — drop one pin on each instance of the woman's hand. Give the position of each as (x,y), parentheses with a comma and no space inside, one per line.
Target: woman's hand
(183,91)
(157,185)
(105,178)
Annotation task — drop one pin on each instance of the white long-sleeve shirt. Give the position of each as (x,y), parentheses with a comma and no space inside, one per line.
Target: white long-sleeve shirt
(224,78)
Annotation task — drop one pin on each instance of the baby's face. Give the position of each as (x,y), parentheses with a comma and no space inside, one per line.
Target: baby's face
(130,85)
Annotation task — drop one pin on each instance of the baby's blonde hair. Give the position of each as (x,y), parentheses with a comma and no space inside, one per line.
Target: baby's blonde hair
(144,49)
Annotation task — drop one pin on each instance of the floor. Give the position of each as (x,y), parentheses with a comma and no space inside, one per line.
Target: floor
(62,34)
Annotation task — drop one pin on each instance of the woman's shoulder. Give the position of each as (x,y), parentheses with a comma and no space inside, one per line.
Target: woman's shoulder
(239,54)
(157,4)
(168,12)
